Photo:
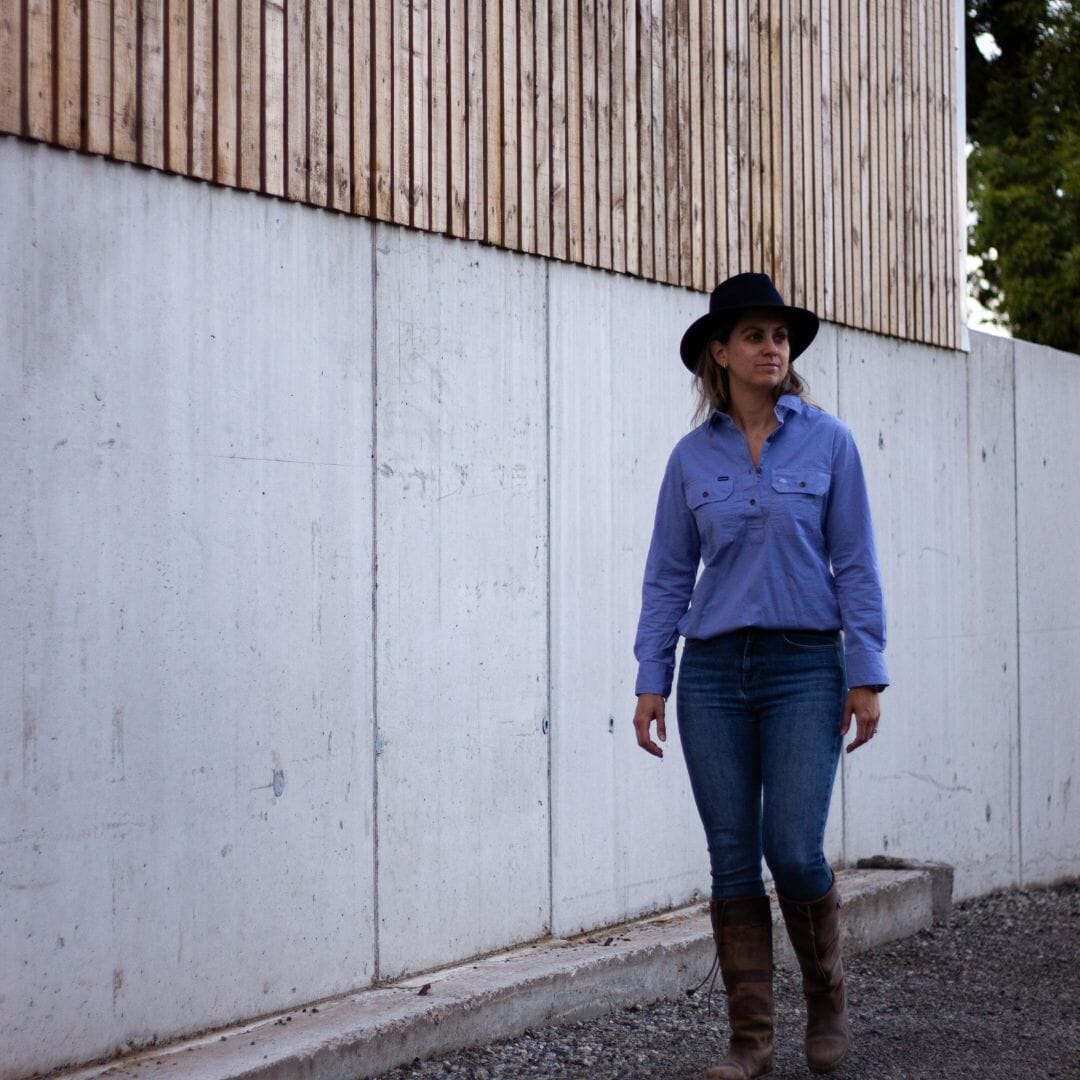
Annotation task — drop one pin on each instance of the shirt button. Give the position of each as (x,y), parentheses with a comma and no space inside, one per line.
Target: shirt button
(753,502)
(704,494)
(802,483)
(758,469)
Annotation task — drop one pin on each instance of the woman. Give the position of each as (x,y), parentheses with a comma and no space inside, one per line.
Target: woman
(768,495)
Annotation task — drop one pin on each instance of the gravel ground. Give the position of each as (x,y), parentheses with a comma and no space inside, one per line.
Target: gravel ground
(992,993)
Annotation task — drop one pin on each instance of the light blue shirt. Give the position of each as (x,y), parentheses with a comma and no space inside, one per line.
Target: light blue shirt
(788,545)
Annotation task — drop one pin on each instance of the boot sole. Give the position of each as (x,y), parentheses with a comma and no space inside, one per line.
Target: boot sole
(822,1069)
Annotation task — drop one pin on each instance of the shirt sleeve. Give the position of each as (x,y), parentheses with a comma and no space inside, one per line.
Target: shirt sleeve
(849,536)
(670,572)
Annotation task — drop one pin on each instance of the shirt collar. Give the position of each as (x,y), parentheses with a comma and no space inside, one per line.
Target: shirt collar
(786,403)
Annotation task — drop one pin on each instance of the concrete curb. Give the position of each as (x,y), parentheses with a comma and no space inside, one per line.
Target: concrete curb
(501,996)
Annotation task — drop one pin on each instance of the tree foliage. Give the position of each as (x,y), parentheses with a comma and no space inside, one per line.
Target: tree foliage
(1024,165)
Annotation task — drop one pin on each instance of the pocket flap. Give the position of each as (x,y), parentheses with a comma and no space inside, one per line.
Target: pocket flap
(708,490)
(801,482)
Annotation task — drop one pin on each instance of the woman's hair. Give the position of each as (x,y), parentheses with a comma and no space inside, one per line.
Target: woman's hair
(711,380)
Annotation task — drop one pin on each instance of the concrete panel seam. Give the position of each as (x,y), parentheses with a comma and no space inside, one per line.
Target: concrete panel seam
(376,958)
(1019,673)
(548,572)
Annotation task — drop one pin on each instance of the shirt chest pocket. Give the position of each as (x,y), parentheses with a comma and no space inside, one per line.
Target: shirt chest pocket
(710,500)
(801,498)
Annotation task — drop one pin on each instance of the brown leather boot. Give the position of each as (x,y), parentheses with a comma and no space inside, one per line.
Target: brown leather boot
(814,929)
(743,930)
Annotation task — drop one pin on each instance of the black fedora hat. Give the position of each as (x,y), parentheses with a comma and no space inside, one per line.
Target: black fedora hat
(746,292)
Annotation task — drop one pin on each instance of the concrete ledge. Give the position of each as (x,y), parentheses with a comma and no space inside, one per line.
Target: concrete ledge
(501,996)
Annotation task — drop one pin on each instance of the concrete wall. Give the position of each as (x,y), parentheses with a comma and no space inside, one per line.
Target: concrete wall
(320,556)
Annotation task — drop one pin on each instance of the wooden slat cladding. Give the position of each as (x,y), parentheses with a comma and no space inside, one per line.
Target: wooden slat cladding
(675,140)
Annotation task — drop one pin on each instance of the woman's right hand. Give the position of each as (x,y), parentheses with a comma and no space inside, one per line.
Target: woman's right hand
(650,707)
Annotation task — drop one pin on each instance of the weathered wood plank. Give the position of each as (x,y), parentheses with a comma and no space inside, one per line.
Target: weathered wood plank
(953,150)
(475,173)
(151,83)
(339,152)
(632,195)
(382,107)
(691,72)
(588,134)
(602,60)
(511,146)
(710,140)
(757,119)
(296,100)
(439,83)
(833,221)
(420,114)
(274,94)
(775,158)
(673,172)
(788,173)
(493,123)
(873,279)
(527,126)
(227,93)
(865,294)
(458,125)
(911,239)
(574,211)
(318,101)
(661,186)
(618,138)
(362,107)
(560,121)
(643,18)
(202,90)
(40,55)
(125,134)
(808,245)
(849,107)
(737,72)
(249,79)
(879,90)
(721,150)
(816,15)
(943,241)
(11,51)
(176,92)
(542,146)
(402,113)
(920,179)
(68,62)
(897,175)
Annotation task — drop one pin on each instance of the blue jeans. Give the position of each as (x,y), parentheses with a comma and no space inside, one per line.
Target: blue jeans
(759,721)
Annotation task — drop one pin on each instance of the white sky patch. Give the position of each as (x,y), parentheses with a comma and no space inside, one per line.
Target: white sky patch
(986,44)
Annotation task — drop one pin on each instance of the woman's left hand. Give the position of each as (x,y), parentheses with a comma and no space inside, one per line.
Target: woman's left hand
(862,704)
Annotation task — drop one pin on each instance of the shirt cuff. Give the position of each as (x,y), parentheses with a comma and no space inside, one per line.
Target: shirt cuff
(654,677)
(866,668)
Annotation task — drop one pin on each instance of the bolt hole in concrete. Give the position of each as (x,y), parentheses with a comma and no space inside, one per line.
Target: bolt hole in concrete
(279,782)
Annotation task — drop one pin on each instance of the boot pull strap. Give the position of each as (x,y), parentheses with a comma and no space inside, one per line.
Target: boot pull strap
(710,978)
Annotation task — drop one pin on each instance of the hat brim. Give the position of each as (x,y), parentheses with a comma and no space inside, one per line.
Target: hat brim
(802,328)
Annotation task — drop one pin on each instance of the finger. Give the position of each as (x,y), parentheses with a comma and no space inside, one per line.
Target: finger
(641,729)
(661,726)
(845,718)
(865,729)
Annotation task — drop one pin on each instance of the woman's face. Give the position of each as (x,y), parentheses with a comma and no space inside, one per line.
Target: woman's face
(757,355)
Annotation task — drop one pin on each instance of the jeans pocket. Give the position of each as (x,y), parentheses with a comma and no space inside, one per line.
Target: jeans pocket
(810,639)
